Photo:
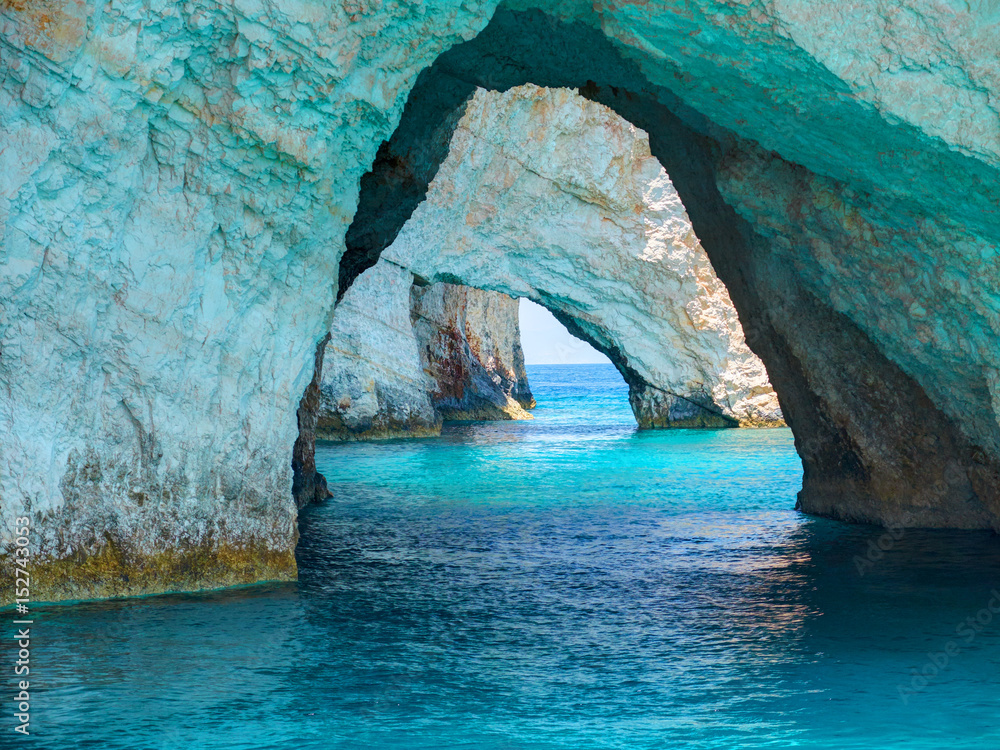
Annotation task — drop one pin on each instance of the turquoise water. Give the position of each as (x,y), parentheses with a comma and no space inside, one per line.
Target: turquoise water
(561,583)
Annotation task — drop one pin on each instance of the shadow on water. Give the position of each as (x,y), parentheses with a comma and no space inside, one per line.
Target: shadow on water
(761,621)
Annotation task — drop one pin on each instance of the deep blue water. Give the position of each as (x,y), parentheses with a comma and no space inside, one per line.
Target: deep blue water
(562,583)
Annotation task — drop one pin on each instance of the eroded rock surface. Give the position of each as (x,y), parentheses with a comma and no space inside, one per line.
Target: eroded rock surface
(402,358)
(176,181)
(470,345)
(175,184)
(547,195)
(373,383)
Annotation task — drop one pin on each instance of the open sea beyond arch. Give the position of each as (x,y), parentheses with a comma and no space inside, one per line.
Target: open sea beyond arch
(567,582)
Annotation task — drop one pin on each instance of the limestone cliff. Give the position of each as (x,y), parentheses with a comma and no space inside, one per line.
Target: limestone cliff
(175,184)
(470,344)
(373,383)
(402,357)
(178,183)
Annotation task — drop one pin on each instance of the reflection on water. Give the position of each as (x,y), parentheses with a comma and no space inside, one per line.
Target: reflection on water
(562,583)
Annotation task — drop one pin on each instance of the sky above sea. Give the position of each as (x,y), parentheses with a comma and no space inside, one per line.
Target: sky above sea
(547,342)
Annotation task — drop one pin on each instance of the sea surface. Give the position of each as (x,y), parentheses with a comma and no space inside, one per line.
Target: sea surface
(567,582)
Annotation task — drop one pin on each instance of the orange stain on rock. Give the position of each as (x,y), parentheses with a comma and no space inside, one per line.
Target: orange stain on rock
(54,28)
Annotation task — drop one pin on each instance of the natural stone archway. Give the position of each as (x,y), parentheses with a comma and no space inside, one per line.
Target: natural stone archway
(177,181)
(401,358)
(549,196)
(880,438)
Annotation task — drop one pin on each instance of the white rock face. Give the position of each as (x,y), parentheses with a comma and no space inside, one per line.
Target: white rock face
(547,195)
(374,384)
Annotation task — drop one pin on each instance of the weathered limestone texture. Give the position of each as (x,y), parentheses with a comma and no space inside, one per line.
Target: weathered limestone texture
(175,185)
(470,344)
(177,181)
(547,195)
(374,384)
(401,358)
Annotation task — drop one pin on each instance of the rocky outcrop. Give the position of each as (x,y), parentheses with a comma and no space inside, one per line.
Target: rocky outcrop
(175,185)
(373,383)
(547,195)
(470,345)
(308,485)
(401,358)
(177,182)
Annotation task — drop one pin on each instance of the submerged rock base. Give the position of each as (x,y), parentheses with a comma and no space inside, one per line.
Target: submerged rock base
(109,571)
(655,409)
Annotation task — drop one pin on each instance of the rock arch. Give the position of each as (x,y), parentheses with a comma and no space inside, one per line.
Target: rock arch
(886,435)
(177,182)
(547,195)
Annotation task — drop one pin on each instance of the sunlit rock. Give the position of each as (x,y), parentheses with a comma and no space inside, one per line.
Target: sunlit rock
(547,195)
